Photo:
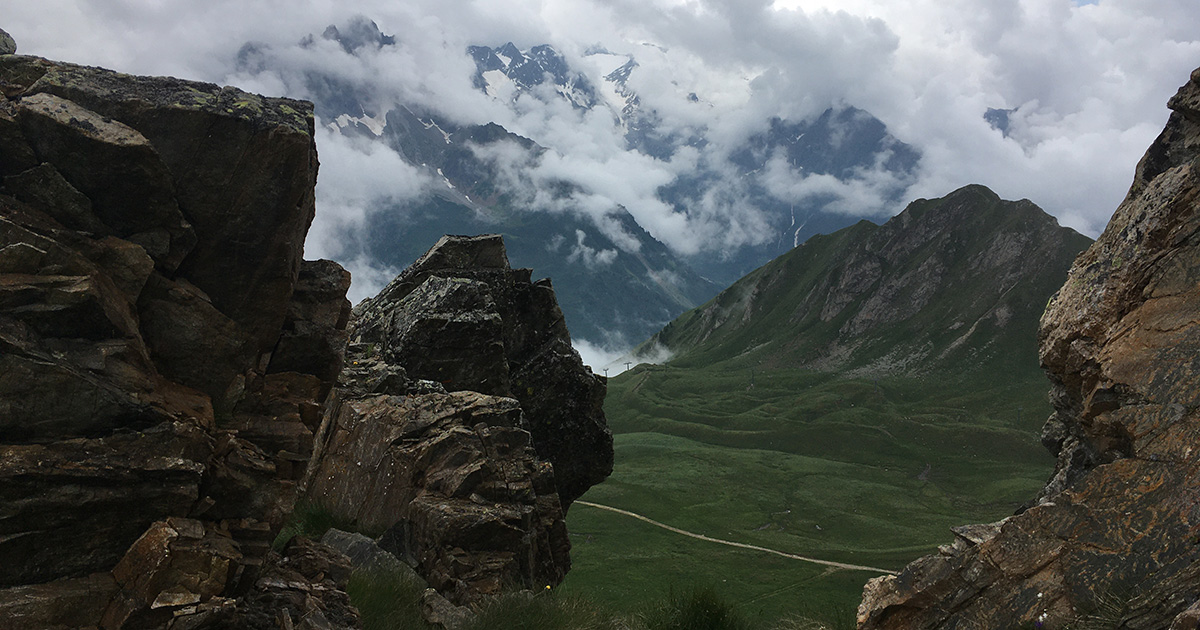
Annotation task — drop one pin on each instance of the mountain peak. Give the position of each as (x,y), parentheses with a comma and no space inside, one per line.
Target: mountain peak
(359,32)
(948,284)
(509,70)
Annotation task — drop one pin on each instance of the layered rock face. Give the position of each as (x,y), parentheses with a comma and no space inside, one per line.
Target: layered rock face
(1113,538)
(464,423)
(461,317)
(164,352)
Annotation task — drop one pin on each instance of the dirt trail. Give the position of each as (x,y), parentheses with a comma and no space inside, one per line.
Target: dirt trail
(828,563)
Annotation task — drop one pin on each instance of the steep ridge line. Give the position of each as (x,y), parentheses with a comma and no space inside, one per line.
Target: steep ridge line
(828,563)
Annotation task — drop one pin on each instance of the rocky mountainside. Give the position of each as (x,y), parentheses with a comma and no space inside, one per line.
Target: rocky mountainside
(949,284)
(171,375)
(1112,539)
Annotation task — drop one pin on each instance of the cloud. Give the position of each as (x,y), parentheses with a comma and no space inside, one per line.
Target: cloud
(865,193)
(611,360)
(601,359)
(590,256)
(1090,81)
(356,178)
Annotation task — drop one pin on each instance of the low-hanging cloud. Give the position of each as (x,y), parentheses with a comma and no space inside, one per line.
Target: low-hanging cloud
(866,192)
(356,179)
(588,255)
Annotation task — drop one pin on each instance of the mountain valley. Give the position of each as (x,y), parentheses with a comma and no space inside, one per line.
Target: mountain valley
(200,431)
(851,400)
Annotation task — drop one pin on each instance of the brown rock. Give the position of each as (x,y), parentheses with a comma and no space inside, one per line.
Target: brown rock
(74,507)
(1117,525)
(66,604)
(455,478)
(15,153)
(1188,619)
(242,167)
(314,335)
(8,45)
(175,563)
(193,342)
(448,330)
(140,432)
(44,187)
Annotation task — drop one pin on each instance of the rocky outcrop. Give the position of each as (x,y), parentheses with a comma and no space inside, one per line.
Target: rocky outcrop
(461,317)
(453,482)
(164,352)
(461,399)
(1113,538)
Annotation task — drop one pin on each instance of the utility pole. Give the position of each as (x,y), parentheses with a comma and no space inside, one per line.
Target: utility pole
(627,364)
(605,372)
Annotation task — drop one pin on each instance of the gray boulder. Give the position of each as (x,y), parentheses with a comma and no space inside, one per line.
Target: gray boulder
(8,45)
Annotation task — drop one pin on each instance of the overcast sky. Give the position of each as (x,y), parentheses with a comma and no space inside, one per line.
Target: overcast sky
(1089,81)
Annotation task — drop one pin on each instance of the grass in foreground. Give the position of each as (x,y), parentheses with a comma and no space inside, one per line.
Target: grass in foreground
(386,600)
(392,601)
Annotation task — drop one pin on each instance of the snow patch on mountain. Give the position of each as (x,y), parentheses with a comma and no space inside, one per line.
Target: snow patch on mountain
(374,123)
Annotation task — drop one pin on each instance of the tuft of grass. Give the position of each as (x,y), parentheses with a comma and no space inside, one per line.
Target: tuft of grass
(310,520)
(827,615)
(387,600)
(700,608)
(523,610)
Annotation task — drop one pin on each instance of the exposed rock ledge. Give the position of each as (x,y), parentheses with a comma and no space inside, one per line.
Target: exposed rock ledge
(1116,532)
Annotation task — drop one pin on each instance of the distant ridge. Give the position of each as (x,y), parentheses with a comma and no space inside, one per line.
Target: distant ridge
(949,284)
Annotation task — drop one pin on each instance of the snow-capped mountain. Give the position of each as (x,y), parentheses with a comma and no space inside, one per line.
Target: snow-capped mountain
(507,72)
(616,278)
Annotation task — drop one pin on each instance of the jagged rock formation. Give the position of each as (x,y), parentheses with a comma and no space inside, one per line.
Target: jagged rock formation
(164,352)
(458,480)
(1113,537)
(952,284)
(461,317)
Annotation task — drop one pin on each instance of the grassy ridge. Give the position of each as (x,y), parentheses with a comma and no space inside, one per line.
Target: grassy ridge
(954,284)
(851,470)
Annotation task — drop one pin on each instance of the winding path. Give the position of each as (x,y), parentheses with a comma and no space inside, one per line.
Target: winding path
(828,563)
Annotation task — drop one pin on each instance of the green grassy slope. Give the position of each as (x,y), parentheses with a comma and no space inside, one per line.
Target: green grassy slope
(950,284)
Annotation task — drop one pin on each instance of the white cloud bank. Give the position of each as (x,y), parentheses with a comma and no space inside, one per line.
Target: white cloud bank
(1089,83)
